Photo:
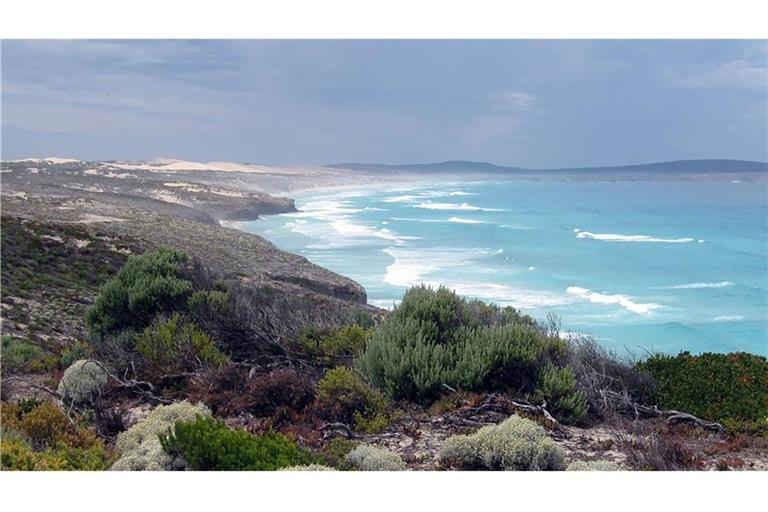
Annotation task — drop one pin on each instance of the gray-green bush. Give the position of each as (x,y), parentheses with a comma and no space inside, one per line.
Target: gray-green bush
(372,458)
(139,446)
(593,465)
(516,444)
(435,339)
(83,381)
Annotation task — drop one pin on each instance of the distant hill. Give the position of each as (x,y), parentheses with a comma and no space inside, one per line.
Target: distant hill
(677,166)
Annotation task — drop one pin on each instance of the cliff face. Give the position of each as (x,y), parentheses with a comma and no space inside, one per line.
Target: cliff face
(279,294)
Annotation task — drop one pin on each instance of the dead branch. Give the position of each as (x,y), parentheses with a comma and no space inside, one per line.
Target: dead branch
(330,429)
(673,417)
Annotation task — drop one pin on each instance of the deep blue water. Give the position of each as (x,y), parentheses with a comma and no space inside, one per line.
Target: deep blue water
(659,266)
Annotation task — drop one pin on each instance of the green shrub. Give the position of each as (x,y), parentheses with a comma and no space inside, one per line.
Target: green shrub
(176,345)
(558,387)
(435,339)
(139,446)
(516,444)
(366,457)
(207,444)
(83,381)
(209,301)
(80,350)
(343,396)
(18,354)
(347,342)
(593,465)
(146,285)
(730,388)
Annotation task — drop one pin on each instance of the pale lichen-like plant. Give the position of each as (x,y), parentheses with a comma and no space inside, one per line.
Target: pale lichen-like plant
(372,458)
(516,444)
(593,465)
(83,381)
(139,446)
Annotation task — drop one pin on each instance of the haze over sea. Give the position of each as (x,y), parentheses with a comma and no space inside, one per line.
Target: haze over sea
(647,265)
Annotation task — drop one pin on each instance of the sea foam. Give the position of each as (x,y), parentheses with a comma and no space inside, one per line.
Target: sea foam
(612,237)
(429,205)
(602,298)
(694,286)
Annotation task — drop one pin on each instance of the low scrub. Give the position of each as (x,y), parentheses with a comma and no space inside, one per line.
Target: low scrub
(207,444)
(38,435)
(334,346)
(175,344)
(729,388)
(229,391)
(435,339)
(21,355)
(344,396)
(516,444)
(139,446)
(366,457)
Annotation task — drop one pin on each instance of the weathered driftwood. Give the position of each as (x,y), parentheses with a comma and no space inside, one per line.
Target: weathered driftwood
(673,417)
(498,407)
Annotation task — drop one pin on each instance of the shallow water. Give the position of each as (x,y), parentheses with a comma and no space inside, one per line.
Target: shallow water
(659,266)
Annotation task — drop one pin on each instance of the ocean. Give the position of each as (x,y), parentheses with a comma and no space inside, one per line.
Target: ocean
(644,266)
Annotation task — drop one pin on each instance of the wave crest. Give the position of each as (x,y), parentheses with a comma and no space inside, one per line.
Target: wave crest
(613,237)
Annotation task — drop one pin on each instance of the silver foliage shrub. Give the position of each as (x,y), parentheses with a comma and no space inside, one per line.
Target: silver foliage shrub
(593,465)
(139,446)
(372,458)
(308,467)
(83,381)
(516,444)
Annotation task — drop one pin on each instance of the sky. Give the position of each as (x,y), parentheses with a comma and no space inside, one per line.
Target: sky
(529,103)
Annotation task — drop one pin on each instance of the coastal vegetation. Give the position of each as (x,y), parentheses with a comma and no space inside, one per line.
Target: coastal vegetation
(171,373)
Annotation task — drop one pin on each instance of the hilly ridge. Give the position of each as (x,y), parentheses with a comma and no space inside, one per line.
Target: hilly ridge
(698,166)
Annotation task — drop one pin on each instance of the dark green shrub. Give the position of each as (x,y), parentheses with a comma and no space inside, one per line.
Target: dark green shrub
(435,339)
(176,345)
(558,387)
(343,396)
(146,285)
(340,344)
(80,350)
(209,445)
(730,388)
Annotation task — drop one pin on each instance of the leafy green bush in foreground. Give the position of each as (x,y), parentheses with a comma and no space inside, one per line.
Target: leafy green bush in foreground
(207,444)
(435,339)
(730,388)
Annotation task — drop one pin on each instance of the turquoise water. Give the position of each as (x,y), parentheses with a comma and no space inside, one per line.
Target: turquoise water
(659,266)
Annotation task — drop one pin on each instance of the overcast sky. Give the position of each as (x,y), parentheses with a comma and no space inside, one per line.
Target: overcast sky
(523,103)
